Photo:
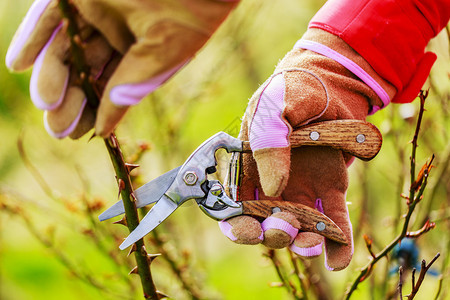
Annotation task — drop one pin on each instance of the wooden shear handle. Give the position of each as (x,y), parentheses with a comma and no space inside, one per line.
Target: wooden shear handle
(311,220)
(359,138)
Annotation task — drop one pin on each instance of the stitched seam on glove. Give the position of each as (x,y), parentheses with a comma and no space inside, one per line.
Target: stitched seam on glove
(268,127)
(261,145)
(350,65)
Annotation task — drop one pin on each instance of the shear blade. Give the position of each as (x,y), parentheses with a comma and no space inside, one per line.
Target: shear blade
(145,195)
(162,209)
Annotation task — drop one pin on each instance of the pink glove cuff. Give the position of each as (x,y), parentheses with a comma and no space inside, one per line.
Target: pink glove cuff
(280,224)
(350,65)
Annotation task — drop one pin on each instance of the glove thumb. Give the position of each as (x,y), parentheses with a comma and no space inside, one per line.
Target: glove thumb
(273,168)
(269,136)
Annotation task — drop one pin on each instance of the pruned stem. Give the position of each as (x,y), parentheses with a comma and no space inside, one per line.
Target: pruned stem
(113,147)
(126,192)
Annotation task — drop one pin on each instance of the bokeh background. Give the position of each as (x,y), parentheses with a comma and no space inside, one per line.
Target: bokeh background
(51,191)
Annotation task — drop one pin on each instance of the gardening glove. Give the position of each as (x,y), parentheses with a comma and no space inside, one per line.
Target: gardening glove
(131,46)
(306,87)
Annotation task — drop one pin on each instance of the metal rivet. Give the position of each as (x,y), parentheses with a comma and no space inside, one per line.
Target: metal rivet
(276,209)
(360,138)
(190,178)
(314,135)
(320,226)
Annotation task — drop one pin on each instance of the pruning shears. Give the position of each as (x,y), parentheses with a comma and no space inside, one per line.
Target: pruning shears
(189,181)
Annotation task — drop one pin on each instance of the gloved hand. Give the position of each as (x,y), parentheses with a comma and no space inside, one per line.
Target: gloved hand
(131,46)
(306,87)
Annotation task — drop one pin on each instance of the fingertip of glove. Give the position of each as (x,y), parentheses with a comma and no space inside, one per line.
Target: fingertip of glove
(108,116)
(273,167)
(280,229)
(337,258)
(28,25)
(67,131)
(127,94)
(242,230)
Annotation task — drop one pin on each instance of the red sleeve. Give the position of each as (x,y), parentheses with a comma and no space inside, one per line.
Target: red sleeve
(390,34)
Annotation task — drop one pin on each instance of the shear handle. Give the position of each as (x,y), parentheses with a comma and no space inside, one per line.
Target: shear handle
(359,138)
(310,219)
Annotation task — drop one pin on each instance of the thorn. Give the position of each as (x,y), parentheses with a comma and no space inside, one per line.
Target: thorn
(112,141)
(134,271)
(133,197)
(121,184)
(77,40)
(91,79)
(161,295)
(276,284)
(82,76)
(404,196)
(92,137)
(65,23)
(151,257)
(369,243)
(144,146)
(122,221)
(132,249)
(131,167)
(425,228)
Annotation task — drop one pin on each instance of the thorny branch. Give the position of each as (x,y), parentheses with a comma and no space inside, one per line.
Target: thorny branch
(417,188)
(423,271)
(114,150)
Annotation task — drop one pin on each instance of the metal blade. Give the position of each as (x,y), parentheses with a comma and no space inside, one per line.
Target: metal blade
(147,194)
(162,209)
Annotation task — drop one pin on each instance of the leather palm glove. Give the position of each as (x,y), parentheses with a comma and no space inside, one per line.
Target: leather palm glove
(306,87)
(131,46)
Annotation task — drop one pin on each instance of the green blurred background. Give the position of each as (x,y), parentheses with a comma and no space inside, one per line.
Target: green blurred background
(52,247)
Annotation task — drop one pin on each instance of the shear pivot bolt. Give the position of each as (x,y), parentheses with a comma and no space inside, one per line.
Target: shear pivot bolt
(314,135)
(360,138)
(216,190)
(190,178)
(320,226)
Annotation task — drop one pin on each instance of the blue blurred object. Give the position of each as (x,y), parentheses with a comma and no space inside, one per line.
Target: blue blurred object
(406,254)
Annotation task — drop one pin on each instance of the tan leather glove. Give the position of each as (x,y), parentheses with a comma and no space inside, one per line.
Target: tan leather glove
(306,87)
(131,46)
